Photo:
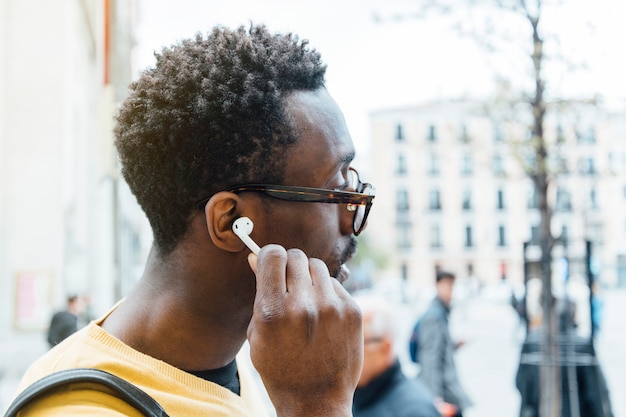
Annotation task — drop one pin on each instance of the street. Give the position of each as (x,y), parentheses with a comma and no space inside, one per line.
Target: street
(487,363)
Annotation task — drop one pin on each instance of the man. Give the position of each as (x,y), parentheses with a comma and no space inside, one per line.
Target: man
(436,350)
(237,123)
(65,322)
(383,389)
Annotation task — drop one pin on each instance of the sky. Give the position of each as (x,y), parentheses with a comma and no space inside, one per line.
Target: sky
(377,61)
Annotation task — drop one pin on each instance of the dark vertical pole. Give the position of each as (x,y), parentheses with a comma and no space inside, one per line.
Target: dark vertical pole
(526,273)
(590,280)
(404,269)
(550,372)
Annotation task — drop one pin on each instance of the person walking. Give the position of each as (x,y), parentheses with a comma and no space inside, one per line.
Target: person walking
(383,389)
(436,350)
(65,322)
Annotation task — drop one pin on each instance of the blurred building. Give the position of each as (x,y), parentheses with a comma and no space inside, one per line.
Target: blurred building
(67,224)
(451,191)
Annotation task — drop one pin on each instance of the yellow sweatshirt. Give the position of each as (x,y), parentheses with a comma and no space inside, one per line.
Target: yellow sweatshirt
(178,392)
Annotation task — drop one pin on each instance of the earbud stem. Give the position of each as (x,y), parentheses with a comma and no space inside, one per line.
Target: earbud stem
(251,244)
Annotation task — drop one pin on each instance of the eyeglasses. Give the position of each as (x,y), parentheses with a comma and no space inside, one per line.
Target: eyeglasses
(360,201)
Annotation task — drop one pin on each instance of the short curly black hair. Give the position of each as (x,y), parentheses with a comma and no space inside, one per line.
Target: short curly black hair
(210,114)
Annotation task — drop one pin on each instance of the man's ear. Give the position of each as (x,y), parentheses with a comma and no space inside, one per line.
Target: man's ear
(220,212)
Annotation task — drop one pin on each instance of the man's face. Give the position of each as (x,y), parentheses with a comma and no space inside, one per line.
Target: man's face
(320,158)
(444,290)
(376,352)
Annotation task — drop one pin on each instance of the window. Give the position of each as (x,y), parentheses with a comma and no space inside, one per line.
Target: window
(497,164)
(561,165)
(563,200)
(469,241)
(621,269)
(404,237)
(467,164)
(613,163)
(501,236)
(464,136)
(593,199)
(434,200)
(401,167)
(529,161)
(498,134)
(467,199)
(534,235)
(432,133)
(399,133)
(564,238)
(594,233)
(586,136)
(560,134)
(587,166)
(402,200)
(435,237)
(434,166)
(533,201)
(500,199)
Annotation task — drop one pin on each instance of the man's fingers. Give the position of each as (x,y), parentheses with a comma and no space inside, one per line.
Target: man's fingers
(322,281)
(269,301)
(253,259)
(298,278)
(270,271)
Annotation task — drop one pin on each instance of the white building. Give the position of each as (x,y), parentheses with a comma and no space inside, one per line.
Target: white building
(65,225)
(451,192)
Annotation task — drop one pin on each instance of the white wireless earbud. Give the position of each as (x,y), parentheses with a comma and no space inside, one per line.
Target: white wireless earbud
(242,227)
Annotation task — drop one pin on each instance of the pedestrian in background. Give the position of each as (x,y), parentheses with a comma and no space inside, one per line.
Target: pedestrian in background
(436,350)
(383,389)
(65,322)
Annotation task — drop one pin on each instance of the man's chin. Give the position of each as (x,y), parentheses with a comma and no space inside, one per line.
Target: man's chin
(343,272)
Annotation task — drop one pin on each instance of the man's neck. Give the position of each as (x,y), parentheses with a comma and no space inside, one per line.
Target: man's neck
(174,314)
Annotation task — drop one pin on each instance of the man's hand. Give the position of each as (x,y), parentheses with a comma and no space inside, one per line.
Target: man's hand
(444,408)
(305,335)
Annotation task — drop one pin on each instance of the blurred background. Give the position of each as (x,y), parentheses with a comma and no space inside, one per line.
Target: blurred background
(494,131)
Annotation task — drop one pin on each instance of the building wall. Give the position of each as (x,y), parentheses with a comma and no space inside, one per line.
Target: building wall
(33,129)
(456,150)
(58,177)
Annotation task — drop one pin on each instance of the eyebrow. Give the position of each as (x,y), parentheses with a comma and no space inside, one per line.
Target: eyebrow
(347,158)
(341,161)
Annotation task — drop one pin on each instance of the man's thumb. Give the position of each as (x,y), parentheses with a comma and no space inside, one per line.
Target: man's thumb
(252,260)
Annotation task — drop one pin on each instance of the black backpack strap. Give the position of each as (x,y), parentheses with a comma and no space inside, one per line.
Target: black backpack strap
(120,387)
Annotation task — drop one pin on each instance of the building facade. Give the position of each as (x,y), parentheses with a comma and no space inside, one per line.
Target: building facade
(452,193)
(67,224)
